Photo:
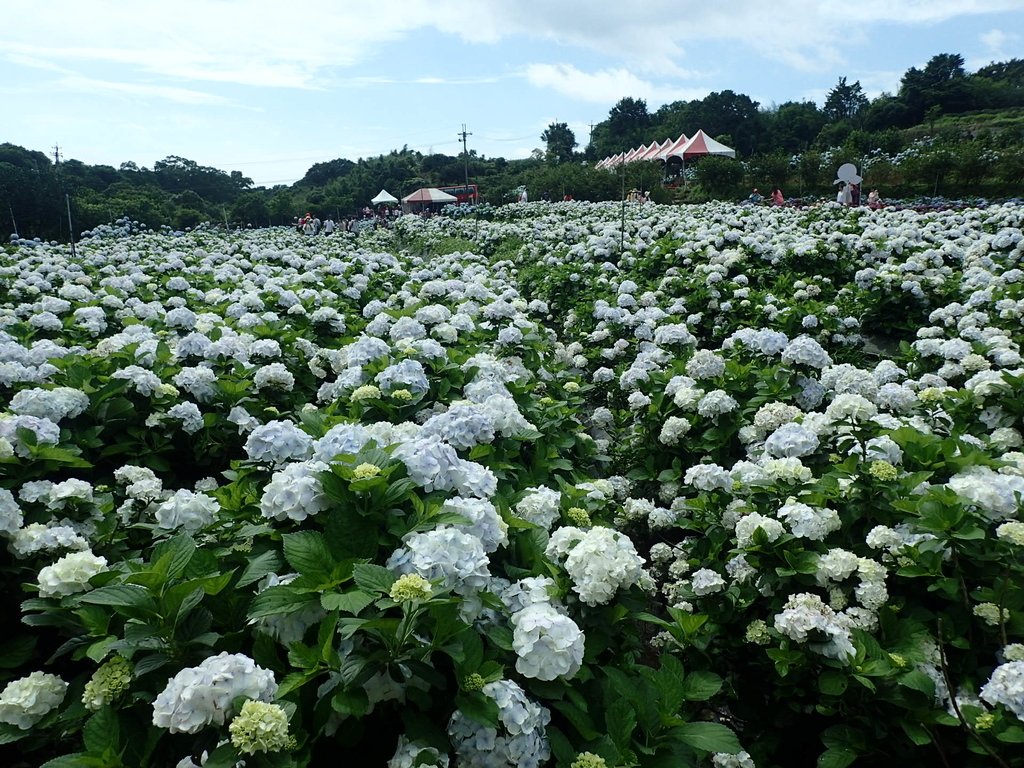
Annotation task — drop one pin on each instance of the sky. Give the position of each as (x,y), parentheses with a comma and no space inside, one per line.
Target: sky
(269,88)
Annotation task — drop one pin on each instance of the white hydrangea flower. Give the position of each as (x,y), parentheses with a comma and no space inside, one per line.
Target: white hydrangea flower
(539,506)
(27,700)
(520,743)
(70,574)
(411,754)
(748,524)
(295,492)
(200,696)
(599,561)
(455,558)
(187,510)
(706,582)
(548,643)
(278,442)
(1006,687)
(807,522)
(791,440)
(482,521)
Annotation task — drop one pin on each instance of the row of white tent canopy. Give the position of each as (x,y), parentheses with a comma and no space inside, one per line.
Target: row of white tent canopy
(697,145)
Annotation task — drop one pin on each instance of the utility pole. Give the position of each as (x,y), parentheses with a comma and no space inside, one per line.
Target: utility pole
(56,170)
(465,153)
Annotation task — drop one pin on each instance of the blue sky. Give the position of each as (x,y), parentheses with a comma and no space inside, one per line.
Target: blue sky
(269,88)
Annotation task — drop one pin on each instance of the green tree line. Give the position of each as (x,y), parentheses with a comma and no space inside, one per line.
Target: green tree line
(945,131)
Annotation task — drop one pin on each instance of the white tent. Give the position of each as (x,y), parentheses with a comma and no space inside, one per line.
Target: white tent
(384,197)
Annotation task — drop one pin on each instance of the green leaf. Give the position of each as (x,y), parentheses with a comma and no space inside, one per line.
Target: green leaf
(122,596)
(172,557)
(280,599)
(262,565)
(1013,734)
(307,553)
(348,602)
(620,720)
(919,681)
(101,732)
(373,578)
(579,718)
(476,706)
(710,737)
(836,758)
(16,651)
(701,686)
(916,732)
(832,682)
(77,760)
(224,756)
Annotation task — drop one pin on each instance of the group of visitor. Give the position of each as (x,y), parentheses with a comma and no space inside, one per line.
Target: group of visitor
(849,195)
(313,225)
(774,198)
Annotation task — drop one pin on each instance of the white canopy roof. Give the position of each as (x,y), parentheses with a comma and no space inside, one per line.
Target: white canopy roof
(384,197)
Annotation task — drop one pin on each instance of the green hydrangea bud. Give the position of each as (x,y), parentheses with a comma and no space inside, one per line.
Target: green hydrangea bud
(473,682)
(402,394)
(985,721)
(578,517)
(883,470)
(409,588)
(107,683)
(588,760)
(757,633)
(365,471)
(260,727)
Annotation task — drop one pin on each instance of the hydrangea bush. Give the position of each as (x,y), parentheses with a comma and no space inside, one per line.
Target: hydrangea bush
(721,486)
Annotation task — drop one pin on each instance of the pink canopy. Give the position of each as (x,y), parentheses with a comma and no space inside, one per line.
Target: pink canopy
(701,144)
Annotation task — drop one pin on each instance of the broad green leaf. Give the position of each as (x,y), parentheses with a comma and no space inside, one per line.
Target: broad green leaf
(620,720)
(122,596)
(280,599)
(832,682)
(476,706)
(172,557)
(919,681)
(710,737)
(701,686)
(916,732)
(373,578)
(348,602)
(307,553)
(102,732)
(262,565)
(836,758)
(16,651)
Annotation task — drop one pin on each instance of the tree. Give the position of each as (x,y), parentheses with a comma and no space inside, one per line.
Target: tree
(845,101)
(719,176)
(561,142)
(792,126)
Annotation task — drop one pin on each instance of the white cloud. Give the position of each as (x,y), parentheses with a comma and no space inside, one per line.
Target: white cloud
(261,43)
(606,86)
(136,90)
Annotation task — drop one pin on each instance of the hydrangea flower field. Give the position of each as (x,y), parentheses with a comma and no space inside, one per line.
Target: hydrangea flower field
(691,485)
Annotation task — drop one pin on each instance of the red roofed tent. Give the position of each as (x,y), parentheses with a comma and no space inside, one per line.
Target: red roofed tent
(672,147)
(700,144)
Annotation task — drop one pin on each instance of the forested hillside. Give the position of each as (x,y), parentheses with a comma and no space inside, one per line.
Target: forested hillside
(944,132)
